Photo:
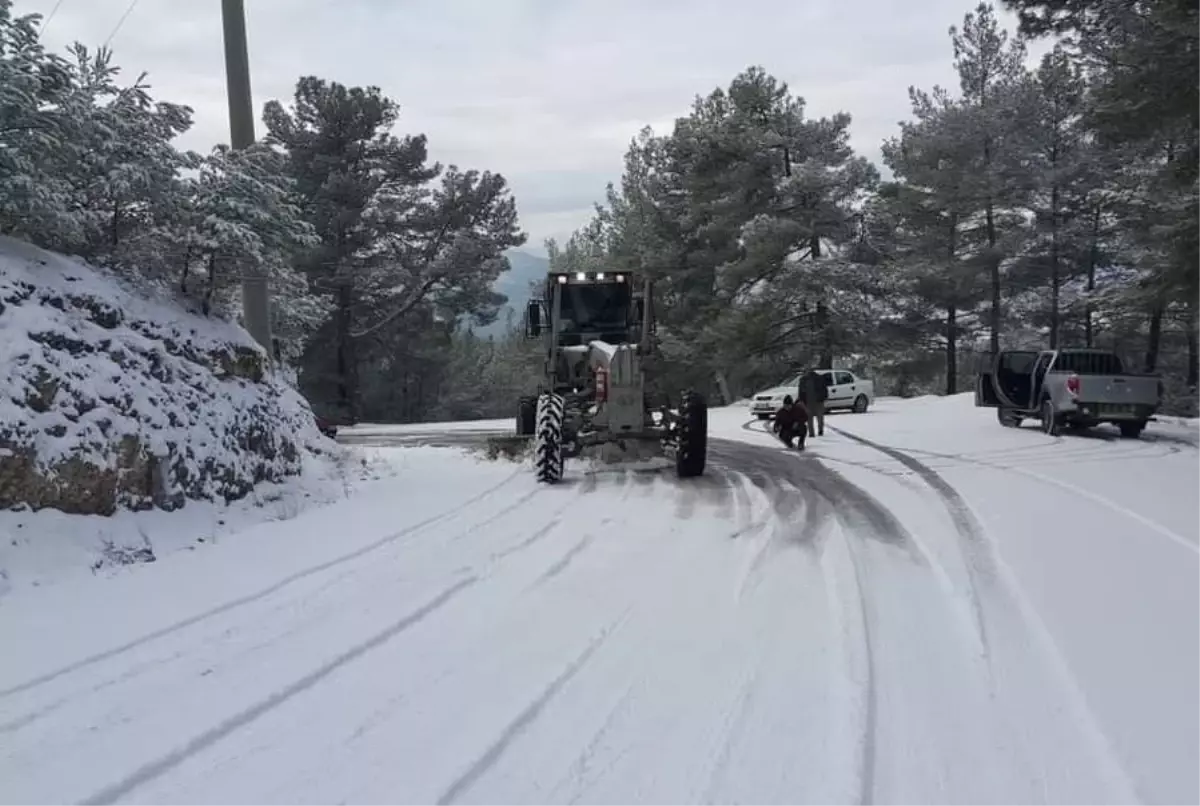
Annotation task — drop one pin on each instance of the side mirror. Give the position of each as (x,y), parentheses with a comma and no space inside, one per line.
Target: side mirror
(533,319)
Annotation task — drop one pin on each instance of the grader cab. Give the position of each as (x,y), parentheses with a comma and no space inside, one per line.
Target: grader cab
(597,330)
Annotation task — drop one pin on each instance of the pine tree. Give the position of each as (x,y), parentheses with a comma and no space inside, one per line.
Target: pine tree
(343,158)
(927,212)
(994,85)
(34,201)
(1061,154)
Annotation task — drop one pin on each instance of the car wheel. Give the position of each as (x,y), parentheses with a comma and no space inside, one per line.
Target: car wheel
(860,404)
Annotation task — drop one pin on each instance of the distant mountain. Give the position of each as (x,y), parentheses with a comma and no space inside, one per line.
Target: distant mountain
(514,284)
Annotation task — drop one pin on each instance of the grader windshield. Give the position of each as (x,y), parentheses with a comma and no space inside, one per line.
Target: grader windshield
(594,308)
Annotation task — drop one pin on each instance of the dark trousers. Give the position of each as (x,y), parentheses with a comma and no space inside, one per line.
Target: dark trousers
(792,437)
(816,418)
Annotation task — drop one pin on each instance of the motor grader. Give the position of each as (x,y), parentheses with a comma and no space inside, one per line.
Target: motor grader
(597,330)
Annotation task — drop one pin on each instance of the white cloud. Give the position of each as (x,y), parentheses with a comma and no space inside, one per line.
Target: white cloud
(547,92)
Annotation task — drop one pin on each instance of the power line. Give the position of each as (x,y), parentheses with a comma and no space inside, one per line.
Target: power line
(120,22)
(50,16)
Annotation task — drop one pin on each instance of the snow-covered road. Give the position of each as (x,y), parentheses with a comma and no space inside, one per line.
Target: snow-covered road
(923,607)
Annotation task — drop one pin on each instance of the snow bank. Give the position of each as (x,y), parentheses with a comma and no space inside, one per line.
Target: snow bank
(48,547)
(110,398)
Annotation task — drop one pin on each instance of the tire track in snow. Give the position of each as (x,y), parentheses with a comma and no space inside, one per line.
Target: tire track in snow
(159,767)
(869,754)
(863,516)
(581,775)
(1149,523)
(735,719)
(154,664)
(870,517)
(241,601)
(978,558)
(561,564)
(524,719)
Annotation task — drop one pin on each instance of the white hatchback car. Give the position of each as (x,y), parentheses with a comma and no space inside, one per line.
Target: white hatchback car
(846,391)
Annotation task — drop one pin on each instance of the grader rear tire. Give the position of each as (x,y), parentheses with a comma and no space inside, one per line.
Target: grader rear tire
(548,439)
(692,436)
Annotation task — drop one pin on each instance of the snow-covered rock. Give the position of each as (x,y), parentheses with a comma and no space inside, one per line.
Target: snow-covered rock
(111,397)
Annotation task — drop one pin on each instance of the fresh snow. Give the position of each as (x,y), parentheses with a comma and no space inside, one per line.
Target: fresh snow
(922,607)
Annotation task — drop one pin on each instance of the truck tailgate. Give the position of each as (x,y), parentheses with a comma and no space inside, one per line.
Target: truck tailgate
(1118,389)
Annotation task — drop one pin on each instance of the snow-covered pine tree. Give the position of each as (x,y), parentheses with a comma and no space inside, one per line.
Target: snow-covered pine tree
(1060,153)
(342,155)
(34,199)
(239,217)
(393,250)
(995,87)
(925,211)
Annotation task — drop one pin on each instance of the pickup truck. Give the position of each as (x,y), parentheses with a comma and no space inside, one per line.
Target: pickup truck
(846,391)
(1072,388)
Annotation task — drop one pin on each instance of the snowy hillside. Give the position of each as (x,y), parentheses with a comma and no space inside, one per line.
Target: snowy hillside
(111,399)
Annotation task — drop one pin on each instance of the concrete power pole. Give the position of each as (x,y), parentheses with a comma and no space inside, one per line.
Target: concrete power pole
(256,294)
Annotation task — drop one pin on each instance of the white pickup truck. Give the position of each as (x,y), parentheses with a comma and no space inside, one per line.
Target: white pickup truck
(1073,388)
(846,391)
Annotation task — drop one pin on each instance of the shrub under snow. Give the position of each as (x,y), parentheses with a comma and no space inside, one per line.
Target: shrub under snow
(112,398)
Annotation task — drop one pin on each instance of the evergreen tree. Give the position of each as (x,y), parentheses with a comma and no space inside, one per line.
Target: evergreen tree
(994,85)
(927,212)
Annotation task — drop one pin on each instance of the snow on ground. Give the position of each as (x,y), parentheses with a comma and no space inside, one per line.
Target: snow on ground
(48,547)
(1098,537)
(923,607)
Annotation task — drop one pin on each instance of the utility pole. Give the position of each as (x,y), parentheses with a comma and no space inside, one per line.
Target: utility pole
(256,293)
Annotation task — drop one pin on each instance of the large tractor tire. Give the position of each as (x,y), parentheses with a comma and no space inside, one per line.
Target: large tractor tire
(692,436)
(548,438)
(526,416)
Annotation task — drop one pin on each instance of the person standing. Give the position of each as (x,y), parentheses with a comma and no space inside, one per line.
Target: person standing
(814,391)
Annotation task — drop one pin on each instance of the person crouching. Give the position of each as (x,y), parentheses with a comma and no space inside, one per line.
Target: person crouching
(791,423)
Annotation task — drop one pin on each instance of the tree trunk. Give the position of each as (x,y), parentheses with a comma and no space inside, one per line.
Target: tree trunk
(1193,323)
(994,267)
(952,350)
(1055,281)
(1154,341)
(187,267)
(206,305)
(823,319)
(347,363)
(1093,259)
(115,233)
(952,313)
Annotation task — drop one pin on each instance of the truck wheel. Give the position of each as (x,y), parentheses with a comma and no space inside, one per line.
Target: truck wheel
(526,416)
(1132,429)
(860,404)
(1051,421)
(691,436)
(1007,418)
(547,441)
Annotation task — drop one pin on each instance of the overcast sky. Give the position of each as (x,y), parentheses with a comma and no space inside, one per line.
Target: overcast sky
(547,92)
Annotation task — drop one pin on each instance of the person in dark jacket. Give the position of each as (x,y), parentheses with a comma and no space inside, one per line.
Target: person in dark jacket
(814,391)
(789,423)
